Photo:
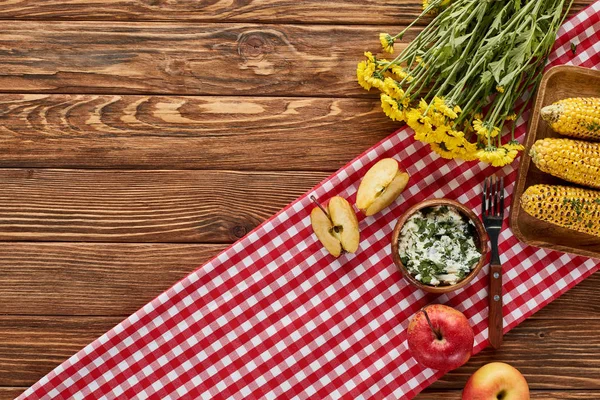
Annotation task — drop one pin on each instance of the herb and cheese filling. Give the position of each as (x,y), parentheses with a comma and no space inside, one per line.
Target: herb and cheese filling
(437,246)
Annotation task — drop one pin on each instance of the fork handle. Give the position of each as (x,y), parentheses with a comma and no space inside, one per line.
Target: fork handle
(495,315)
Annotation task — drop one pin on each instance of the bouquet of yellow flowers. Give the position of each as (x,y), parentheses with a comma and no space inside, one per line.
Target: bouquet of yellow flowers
(467,77)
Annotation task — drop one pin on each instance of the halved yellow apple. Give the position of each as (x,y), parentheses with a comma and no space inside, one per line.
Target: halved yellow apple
(381,185)
(338,229)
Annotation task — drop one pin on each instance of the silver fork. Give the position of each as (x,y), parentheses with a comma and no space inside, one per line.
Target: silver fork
(492,210)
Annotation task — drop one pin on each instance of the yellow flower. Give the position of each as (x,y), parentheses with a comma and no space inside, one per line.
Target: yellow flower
(377,82)
(479,128)
(435,10)
(498,157)
(369,56)
(438,120)
(421,125)
(423,106)
(511,117)
(467,151)
(440,104)
(483,131)
(392,109)
(367,76)
(453,139)
(364,71)
(400,73)
(500,89)
(442,150)
(387,42)
(392,88)
(514,145)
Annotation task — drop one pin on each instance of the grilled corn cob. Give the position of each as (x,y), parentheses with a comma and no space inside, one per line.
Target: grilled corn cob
(569,207)
(575,161)
(575,117)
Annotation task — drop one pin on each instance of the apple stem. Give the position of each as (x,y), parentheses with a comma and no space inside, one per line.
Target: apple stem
(436,332)
(314,200)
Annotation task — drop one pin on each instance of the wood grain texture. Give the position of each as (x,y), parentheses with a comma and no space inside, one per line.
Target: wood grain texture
(305,11)
(183,132)
(545,351)
(10,393)
(495,317)
(549,353)
(142,206)
(535,395)
(92,279)
(30,347)
(170,58)
(313,11)
(106,279)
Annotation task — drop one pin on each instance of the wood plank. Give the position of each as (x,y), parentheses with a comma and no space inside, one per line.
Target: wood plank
(10,393)
(142,206)
(181,58)
(565,358)
(535,395)
(551,354)
(186,132)
(118,279)
(312,11)
(307,11)
(30,347)
(103,278)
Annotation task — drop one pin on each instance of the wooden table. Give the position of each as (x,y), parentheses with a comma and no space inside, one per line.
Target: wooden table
(139,138)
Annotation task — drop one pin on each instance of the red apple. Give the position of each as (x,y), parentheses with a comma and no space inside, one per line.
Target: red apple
(496,381)
(440,337)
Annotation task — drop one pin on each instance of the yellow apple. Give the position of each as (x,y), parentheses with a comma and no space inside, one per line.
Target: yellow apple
(337,229)
(496,381)
(381,185)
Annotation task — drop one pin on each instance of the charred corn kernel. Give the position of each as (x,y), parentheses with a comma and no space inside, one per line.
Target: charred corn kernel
(575,161)
(570,207)
(575,117)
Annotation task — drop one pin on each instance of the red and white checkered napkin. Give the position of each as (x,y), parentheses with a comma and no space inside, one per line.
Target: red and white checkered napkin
(276,317)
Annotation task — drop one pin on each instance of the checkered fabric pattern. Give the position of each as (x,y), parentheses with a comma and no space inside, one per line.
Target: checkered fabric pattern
(275,317)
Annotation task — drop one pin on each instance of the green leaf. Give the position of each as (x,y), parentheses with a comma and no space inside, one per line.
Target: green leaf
(457,41)
(573,48)
(446,52)
(497,69)
(517,4)
(508,78)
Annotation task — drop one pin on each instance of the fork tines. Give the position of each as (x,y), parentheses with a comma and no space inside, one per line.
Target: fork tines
(493,197)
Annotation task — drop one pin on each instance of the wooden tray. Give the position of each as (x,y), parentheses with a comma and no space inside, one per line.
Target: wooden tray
(558,83)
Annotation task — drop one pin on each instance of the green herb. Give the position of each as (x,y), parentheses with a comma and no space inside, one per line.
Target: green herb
(594,126)
(435,242)
(573,48)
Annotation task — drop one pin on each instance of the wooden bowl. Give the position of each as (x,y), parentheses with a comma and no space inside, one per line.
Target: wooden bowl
(558,83)
(481,241)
